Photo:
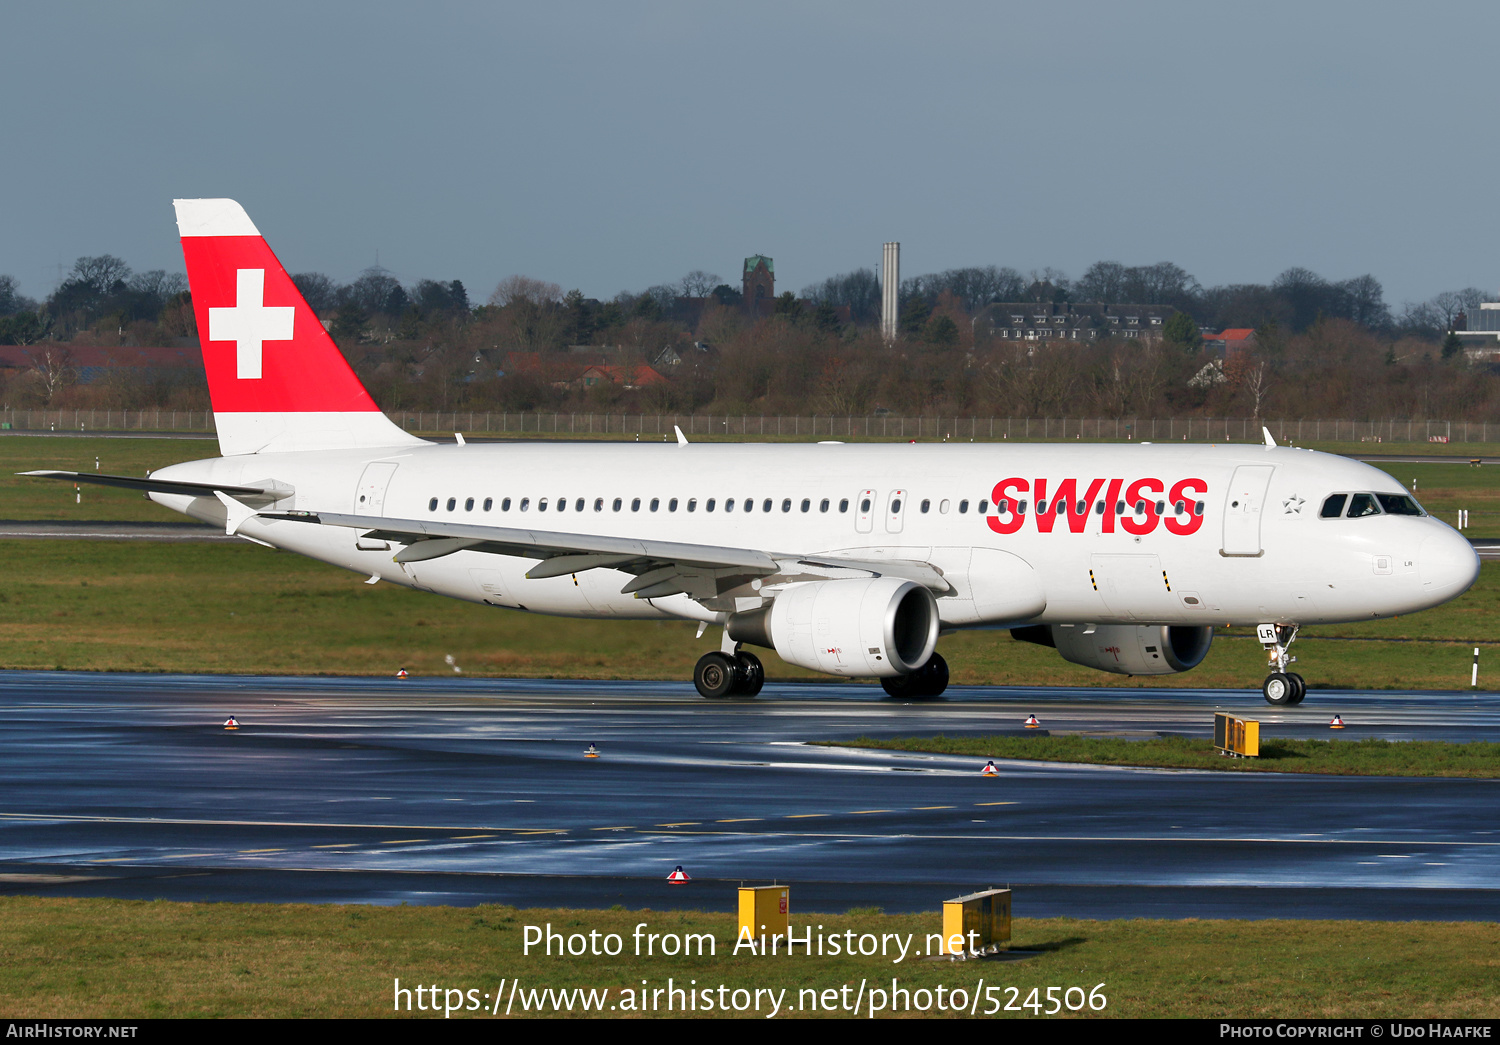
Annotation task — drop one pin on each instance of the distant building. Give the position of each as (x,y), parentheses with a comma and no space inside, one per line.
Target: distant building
(1479,333)
(628,377)
(1229,343)
(759,281)
(1066,321)
(91,363)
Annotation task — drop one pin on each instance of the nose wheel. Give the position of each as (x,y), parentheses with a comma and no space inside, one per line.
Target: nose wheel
(1282,688)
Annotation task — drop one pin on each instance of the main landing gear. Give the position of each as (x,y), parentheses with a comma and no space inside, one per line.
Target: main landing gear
(927,681)
(1282,688)
(719,675)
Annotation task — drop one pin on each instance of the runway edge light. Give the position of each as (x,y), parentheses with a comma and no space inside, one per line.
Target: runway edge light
(989,769)
(231,723)
(1031,722)
(592,752)
(1337,723)
(978,923)
(678,876)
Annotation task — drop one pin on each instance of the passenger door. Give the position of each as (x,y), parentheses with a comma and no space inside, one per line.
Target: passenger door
(1244,505)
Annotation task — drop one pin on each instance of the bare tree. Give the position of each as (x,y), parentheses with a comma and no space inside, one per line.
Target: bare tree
(699,284)
(514,289)
(52,369)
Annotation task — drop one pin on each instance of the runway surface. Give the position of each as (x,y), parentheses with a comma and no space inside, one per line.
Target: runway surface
(469,791)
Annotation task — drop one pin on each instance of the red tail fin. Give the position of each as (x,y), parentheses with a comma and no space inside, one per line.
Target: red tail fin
(275,378)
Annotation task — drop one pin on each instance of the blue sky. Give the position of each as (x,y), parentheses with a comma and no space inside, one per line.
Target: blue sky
(611,146)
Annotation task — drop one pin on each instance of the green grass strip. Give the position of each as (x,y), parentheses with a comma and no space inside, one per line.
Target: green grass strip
(85,958)
(1365,757)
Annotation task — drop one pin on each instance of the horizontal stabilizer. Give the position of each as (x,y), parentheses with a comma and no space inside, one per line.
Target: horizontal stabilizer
(249,494)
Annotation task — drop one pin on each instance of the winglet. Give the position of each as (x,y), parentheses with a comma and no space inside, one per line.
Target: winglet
(681,439)
(1269,441)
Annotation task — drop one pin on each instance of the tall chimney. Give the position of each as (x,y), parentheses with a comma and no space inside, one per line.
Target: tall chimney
(890,285)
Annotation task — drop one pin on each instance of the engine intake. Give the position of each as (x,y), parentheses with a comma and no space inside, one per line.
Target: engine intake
(1126,649)
(879,627)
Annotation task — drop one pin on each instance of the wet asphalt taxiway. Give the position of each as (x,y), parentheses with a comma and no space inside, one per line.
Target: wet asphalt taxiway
(471,791)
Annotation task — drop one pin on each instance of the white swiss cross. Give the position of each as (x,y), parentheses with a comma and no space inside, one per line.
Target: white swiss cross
(249,324)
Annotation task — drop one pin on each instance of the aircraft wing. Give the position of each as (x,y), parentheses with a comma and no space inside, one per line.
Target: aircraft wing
(661,567)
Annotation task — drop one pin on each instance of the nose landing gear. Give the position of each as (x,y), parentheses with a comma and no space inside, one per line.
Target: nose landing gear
(1282,688)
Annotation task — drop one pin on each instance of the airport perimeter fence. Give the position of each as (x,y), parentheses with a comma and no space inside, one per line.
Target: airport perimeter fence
(823,426)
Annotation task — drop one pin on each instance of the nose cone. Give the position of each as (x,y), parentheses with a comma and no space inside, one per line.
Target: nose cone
(1447,565)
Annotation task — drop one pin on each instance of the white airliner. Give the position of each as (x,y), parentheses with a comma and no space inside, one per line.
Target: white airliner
(845,559)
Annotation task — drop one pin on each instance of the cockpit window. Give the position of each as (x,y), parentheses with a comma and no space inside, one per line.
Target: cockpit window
(1362,504)
(1334,506)
(1398,504)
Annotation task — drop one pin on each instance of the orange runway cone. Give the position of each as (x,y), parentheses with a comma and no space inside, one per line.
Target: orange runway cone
(1031,722)
(1337,723)
(231,724)
(678,876)
(989,769)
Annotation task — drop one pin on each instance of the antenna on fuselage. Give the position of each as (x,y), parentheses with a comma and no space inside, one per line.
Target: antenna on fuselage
(1270,442)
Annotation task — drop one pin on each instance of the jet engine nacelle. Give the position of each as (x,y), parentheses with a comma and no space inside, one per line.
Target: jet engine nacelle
(883,626)
(1126,649)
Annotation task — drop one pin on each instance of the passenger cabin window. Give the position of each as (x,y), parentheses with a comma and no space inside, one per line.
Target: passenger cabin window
(598,504)
(709,506)
(525,503)
(505,505)
(489,502)
(963,507)
(896,506)
(452,503)
(541,504)
(984,506)
(844,505)
(655,503)
(432,505)
(692,504)
(926,506)
(786,505)
(469,505)
(672,505)
(617,504)
(578,505)
(635,504)
(864,506)
(728,504)
(806,504)
(562,504)
(766,505)
(823,505)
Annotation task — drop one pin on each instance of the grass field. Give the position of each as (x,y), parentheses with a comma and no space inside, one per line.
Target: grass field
(1442,488)
(127,959)
(1369,756)
(240,608)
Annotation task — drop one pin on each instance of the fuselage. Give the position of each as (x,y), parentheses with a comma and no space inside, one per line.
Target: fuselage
(1135,533)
